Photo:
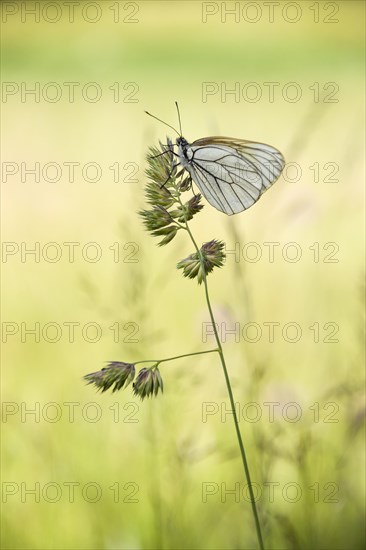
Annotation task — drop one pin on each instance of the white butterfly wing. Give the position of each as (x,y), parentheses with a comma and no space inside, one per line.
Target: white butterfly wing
(233,174)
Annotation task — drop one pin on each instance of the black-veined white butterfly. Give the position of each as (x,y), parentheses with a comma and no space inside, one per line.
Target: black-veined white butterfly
(232,174)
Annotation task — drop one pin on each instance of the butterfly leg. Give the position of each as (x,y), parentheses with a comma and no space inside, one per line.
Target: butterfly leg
(170,175)
(164,153)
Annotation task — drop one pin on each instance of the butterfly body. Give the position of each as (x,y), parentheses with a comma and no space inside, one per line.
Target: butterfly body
(231,174)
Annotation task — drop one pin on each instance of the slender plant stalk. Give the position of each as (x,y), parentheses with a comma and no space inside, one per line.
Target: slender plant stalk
(158,361)
(231,396)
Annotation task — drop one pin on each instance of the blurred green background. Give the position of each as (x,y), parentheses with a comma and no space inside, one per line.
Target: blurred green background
(109,471)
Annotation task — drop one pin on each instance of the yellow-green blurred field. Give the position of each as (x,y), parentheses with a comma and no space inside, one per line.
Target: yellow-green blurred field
(109,471)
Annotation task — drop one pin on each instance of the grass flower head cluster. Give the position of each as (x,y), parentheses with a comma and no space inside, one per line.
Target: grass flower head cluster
(166,215)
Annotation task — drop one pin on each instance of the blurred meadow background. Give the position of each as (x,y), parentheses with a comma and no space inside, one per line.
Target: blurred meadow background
(92,471)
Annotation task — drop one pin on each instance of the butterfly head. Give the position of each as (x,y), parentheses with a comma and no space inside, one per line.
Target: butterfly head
(181,142)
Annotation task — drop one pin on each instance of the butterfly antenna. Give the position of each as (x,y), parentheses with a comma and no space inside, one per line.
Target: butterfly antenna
(180,124)
(166,124)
